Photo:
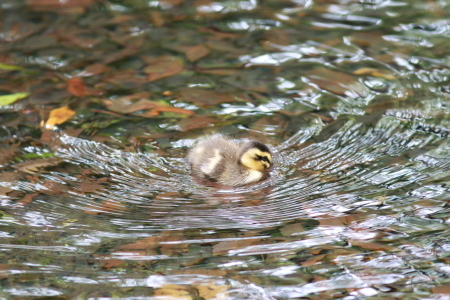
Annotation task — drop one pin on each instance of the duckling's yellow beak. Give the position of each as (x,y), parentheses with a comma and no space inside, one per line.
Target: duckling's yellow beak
(267,165)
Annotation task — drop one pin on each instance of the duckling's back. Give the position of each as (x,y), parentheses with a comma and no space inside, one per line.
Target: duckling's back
(213,157)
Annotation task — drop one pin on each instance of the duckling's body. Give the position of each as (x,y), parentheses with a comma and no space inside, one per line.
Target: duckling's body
(219,159)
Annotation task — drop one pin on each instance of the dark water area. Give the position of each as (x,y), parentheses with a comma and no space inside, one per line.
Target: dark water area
(101,100)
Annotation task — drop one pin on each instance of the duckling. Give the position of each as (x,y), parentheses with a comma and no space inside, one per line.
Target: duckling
(219,159)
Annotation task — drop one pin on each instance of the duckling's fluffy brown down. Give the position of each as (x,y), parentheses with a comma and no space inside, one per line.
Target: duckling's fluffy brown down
(219,159)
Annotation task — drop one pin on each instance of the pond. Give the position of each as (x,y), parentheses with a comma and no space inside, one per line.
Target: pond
(101,100)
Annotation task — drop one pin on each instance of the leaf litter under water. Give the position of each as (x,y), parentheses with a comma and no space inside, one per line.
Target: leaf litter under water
(358,208)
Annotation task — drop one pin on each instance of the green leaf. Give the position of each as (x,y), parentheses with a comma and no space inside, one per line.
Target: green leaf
(10,67)
(8,99)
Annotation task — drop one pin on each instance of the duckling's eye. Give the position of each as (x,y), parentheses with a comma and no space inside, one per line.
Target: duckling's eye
(263,158)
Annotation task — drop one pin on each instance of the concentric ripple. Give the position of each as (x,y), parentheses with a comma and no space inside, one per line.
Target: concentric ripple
(357,164)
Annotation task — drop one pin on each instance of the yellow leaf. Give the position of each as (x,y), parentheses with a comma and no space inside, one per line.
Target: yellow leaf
(9,99)
(10,67)
(172,292)
(59,116)
(374,72)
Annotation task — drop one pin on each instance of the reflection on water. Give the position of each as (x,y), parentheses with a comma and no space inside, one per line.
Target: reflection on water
(352,96)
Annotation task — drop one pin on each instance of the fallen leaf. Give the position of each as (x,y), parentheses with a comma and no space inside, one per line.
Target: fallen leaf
(194,53)
(223,248)
(9,99)
(204,97)
(59,3)
(337,221)
(374,72)
(106,206)
(34,165)
(162,66)
(59,116)
(217,34)
(10,67)
(27,199)
(292,229)
(172,291)
(76,87)
(336,82)
(112,263)
(171,2)
(159,109)
(94,69)
(130,50)
(211,290)
(157,18)
(144,244)
(196,122)
(120,106)
(225,46)
(443,289)
(371,246)
(154,107)
(217,71)
(311,262)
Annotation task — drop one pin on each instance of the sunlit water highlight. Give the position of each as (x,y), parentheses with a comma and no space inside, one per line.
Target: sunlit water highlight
(352,97)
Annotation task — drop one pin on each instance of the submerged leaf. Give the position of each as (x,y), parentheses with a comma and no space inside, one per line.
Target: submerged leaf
(59,116)
(10,67)
(77,87)
(163,66)
(9,99)
(374,72)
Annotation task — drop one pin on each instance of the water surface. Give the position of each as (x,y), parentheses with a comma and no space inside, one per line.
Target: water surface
(351,96)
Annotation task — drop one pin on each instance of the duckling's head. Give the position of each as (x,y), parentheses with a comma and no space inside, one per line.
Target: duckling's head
(256,156)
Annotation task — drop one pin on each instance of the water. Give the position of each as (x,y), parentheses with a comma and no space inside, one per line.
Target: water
(352,97)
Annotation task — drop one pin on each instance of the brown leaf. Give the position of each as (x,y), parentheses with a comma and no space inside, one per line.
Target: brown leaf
(128,51)
(112,263)
(172,291)
(27,199)
(163,66)
(159,109)
(225,46)
(106,206)
(196,122)
(76,87)
(313,261)
(211,290)
(371,246)
(222,248)
(157,18)
(335,82)
(34,165)
(217,34)
(443,289)
(7,155)
(204,97)
(59,116)
(204,272)
(337,221)
(59,3)
(292,229)
(155,108)
(123,108)
(172,2)
(217,71)
(66,6)
(146,243)
(94,69)
(194,53)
